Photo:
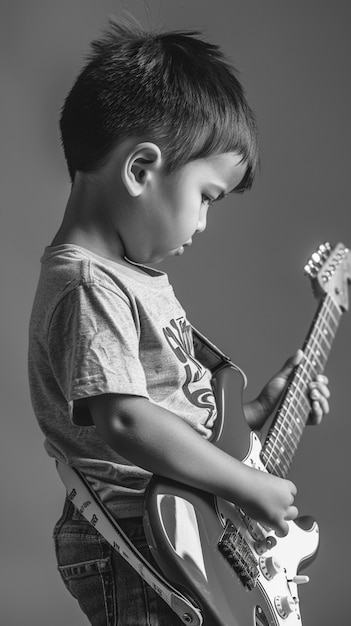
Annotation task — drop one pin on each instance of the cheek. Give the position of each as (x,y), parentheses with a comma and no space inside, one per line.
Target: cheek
(189,210)
(188,223)
(183,214)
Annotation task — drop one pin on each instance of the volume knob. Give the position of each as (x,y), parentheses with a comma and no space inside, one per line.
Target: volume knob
(285,605)
(263,545)
(269,566)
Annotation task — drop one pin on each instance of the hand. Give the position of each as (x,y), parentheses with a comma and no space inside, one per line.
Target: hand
(259,410)
(318,394)
(270,500)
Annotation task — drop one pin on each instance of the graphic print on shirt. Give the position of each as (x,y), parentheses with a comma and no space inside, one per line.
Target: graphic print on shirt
(179,338)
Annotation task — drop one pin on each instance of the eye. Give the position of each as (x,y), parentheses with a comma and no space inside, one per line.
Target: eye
(206,200)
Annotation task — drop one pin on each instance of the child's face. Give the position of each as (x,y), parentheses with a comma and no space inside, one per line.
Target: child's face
(178,205)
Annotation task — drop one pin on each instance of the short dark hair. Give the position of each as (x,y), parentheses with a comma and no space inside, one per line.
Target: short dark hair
(172,88)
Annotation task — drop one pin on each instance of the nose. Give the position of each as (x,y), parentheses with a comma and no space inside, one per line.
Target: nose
(202,221)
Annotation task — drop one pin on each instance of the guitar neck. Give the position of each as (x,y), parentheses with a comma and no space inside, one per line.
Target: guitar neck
(290,420)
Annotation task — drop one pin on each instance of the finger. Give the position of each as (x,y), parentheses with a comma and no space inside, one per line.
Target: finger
(293,489)
(282,529)
(299,355)
(319,402)
(316,415)
(290,364)
(292,513)
(324,404)
(319,388)
(295,359)
(322,379)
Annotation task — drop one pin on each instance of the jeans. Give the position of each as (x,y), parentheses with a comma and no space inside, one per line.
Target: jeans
(108,590)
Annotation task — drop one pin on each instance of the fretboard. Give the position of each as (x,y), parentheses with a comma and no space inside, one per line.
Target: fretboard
(290,420)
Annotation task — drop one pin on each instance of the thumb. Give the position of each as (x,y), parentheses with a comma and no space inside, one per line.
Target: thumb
(291,363)
(282,529)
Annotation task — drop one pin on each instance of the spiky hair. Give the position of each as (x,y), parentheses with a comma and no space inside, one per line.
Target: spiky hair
(172,88)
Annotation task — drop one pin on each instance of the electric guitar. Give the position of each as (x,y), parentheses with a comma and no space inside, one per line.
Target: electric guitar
(236,571)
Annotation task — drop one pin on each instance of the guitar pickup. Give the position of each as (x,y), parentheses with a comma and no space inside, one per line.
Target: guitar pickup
(239,555)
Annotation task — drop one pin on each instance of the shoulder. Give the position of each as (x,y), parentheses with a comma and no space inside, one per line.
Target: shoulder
(67,267)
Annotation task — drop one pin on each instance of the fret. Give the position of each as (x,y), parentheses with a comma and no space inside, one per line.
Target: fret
(279,448)
(315,363)
(289,423)
(282,443)
(323,337)
(292,424)
(299,399)
(322,340)
(291,437)
(333,318)
(277,468)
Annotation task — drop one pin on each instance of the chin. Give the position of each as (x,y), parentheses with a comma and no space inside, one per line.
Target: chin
(144,261)
(158,257)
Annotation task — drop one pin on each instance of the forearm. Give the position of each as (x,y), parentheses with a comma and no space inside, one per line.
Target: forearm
(159,441)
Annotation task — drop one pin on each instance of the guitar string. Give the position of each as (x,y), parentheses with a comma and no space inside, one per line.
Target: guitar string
(296,396)
(292,402)
(313,348)
(326,322)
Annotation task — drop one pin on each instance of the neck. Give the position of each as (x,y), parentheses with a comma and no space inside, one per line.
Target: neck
(290,420)
(87,221)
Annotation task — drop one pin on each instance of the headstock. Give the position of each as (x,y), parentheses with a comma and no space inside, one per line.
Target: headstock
(330,272)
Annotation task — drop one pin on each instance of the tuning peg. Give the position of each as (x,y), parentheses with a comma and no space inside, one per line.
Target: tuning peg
(317,259)
(324,250)
(308,270)
(311,268)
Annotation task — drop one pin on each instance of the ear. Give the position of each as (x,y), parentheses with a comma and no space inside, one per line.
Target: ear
(139,165)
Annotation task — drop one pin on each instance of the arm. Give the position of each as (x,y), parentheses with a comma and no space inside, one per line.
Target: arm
(159,441)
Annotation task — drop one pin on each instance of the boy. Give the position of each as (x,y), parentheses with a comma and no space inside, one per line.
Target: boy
(155,130)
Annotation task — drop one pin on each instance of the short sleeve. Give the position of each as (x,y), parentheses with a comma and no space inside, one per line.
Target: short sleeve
(93,344)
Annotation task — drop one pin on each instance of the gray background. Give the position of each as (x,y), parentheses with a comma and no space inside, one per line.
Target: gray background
(241,282)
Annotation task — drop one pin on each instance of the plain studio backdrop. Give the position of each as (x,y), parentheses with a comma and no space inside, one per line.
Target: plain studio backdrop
(241,282)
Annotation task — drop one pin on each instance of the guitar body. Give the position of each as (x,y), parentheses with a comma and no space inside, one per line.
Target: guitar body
(208,549)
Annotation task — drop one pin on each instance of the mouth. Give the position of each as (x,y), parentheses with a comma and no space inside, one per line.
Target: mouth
(180,250)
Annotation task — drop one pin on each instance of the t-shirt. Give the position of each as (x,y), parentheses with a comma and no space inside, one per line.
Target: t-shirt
(100,327)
